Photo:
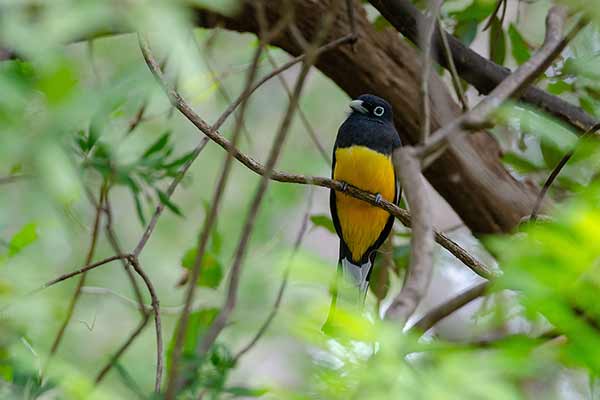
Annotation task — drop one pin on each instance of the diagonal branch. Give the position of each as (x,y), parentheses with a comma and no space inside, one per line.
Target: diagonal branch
(443,310)
(480,72)
(554,43)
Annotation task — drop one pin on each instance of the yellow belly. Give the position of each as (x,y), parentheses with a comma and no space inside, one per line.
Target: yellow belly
(368,170)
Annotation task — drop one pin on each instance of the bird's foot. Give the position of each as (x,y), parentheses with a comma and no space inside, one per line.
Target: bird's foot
(378,198)
(344,186)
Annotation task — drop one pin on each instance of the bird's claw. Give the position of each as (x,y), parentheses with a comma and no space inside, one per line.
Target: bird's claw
(344,186)
(378,198)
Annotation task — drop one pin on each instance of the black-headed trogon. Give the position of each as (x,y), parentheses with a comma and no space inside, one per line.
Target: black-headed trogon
(362,157)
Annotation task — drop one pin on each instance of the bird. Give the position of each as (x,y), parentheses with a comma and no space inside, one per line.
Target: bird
(362,157)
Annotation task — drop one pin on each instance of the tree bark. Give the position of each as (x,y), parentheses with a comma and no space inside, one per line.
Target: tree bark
(469,175)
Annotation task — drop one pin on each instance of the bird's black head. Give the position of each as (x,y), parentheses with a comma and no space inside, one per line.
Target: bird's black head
(373,107)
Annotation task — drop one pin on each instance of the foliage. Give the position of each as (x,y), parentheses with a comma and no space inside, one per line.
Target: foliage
(85,122)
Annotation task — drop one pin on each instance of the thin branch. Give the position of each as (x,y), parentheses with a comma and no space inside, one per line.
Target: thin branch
(554,43)
(218,80)
(115,357)
(499,3)
(157,322)
(114,242)
(456,83)
(420,268)
(307,125)
(555,172)
(443,310)
(246,93)
(282,287)
(170,190)
(80,271)
(426,44)
(81,282)
(549,181)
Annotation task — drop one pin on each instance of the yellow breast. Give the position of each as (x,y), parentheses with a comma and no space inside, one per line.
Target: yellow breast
(369,170)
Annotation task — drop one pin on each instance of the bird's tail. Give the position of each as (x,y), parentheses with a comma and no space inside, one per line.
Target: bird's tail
(351,285)
(357,276)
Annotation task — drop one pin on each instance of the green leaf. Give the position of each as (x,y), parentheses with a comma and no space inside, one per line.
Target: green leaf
(323,221)
(212,269)
(158,145)
(560,87)
(519,49)
(521,164)
(466,31)
(129,381)
(179,161)
(401,257)
(198,323)
(552,155)
(26,236)
(221,357)
(139,208)
(477,11)
(168,203)
(497,42)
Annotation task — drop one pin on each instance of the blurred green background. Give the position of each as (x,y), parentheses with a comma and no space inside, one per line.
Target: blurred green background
(65,116)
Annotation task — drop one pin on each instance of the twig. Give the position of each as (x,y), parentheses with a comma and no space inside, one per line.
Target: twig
(331,45)
(80,271)
(441,311)
(157,322)
(460,93)
(170,190)
(555,172)
(81,282)
(218,80)
(307,125)
(549,181)
(420,268)
(136,332)
(282,287)
(114,242)
(426,44)
(521,78)
(499,3)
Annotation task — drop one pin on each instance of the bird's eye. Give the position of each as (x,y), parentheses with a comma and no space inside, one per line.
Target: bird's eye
(378,111)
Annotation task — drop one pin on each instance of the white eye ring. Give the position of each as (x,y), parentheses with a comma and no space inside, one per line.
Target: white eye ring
(378,111)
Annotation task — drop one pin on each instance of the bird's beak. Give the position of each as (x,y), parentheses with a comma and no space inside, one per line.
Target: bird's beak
(357,105)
